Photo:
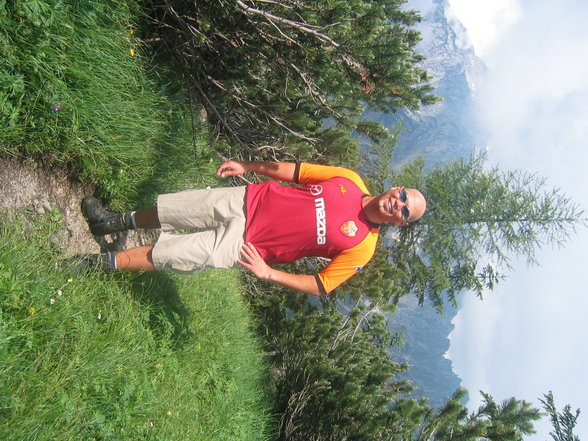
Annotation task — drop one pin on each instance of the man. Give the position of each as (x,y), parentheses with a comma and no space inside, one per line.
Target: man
(332,215)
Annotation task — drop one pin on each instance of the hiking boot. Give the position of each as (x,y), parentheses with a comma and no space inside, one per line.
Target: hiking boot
(83,263)
(102,221)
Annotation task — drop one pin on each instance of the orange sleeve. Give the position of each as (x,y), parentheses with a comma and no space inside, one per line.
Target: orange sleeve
(347,263)
(313,173)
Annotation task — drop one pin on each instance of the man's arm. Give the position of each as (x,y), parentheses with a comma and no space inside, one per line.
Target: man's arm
(282,171)
(255,263)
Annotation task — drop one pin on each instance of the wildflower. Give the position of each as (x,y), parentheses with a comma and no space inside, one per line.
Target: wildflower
(69,280)
(32,310)
(59,292)
(132,52)
(158,365)
(168,412)
(150,424)
(131,31)
(52,301)
(57,107)
(99,316)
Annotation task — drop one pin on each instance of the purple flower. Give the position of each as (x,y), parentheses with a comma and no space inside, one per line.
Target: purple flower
(57,107)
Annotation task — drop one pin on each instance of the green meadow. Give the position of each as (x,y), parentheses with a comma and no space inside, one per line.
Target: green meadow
(111,357)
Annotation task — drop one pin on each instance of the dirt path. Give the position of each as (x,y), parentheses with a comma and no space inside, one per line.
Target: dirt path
(39,190)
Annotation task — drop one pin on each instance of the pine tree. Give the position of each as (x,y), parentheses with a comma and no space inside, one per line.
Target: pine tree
(333,380)
(477,218)
(563,423)
(507,421)
(273,71)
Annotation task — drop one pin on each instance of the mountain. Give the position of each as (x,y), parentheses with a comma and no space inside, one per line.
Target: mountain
(426,341)
(441,132)
(446,130)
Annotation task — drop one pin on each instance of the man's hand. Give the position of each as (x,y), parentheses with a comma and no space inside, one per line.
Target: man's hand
(254,262)
(282,171)
(230,168)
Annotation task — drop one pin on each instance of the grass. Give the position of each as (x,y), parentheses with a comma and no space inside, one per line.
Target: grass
(151,356)
(77,89)
(111,357)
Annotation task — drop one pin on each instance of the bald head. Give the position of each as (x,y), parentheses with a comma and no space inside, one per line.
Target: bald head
(417,204)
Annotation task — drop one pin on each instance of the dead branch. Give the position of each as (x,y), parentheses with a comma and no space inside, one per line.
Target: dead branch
(314,90)
(304,27)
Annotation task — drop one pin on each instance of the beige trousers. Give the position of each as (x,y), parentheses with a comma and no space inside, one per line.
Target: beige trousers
(219,216)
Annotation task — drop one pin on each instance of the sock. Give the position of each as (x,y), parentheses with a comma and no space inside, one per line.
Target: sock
(131,214)
(107,261)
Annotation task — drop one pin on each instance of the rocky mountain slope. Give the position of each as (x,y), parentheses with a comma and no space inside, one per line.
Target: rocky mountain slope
(446,130)
(440,133)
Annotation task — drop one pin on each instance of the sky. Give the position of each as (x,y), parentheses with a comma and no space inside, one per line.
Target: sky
(527,336)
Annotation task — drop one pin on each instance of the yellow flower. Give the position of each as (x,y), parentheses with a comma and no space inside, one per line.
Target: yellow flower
(32,310)
(131,31)
(132,52)
(69,280)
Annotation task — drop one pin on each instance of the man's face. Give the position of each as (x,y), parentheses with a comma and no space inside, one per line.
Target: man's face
(399,206)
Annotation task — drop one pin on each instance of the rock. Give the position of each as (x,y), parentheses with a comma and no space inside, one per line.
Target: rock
(23,187)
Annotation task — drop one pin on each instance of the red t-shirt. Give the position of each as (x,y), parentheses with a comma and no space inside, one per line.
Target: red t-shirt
(323,218)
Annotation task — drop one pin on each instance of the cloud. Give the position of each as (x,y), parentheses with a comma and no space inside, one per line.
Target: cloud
(486,21)
(472,341)
(535,100)
(526,338)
